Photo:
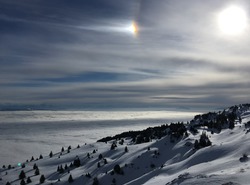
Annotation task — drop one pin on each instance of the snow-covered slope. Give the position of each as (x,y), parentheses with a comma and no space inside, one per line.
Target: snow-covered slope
(168,160)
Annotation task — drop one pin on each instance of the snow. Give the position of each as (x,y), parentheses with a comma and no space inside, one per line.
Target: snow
(31,133)
(160,162)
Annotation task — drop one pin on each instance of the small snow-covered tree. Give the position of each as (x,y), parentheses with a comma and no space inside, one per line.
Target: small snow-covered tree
(105,161)
(196,144)
(37,171)
(69,148)
(22,182)
(77,162)
(32,158)
(118,170)
(95,181)
(204,140)
(66,167)
(113,146)
(35,166)
(22,175)
(152,165)
(88,175)
(70,179)
(121,141)
(244,158)
(100,156)
(51,154)
(231,125)
(28,180)
(60,169)
(114,181)
(42,179)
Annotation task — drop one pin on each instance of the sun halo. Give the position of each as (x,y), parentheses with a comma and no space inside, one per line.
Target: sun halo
(133,28)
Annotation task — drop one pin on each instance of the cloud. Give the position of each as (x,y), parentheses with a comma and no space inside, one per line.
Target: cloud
(76,54)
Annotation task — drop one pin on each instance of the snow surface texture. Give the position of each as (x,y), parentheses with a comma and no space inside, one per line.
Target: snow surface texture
(161,161)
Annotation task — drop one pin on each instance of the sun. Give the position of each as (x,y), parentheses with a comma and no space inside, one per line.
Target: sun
(232,20)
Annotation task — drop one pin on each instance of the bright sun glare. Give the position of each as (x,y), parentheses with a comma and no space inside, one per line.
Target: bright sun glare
(232,20)
(133,28)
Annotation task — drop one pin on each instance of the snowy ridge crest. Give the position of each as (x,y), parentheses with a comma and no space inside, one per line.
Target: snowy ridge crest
(212,148)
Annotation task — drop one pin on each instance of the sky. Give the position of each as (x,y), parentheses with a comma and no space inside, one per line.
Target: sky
(82,54)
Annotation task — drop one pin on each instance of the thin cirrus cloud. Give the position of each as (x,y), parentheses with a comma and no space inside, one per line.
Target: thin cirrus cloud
(81,55)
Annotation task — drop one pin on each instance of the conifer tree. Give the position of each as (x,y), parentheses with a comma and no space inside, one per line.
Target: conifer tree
(28,180)
(88,175)
(42,179)
(95,182)
(113,146)
(32,158)
(37,171)
(196,144)
(117,169)
(22,182)
(22,175)
(105,161)
(51,154)
(100,156)
(77,162)
(60,169)
(35,166)
(66,167)
(70,180)
(114,181)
